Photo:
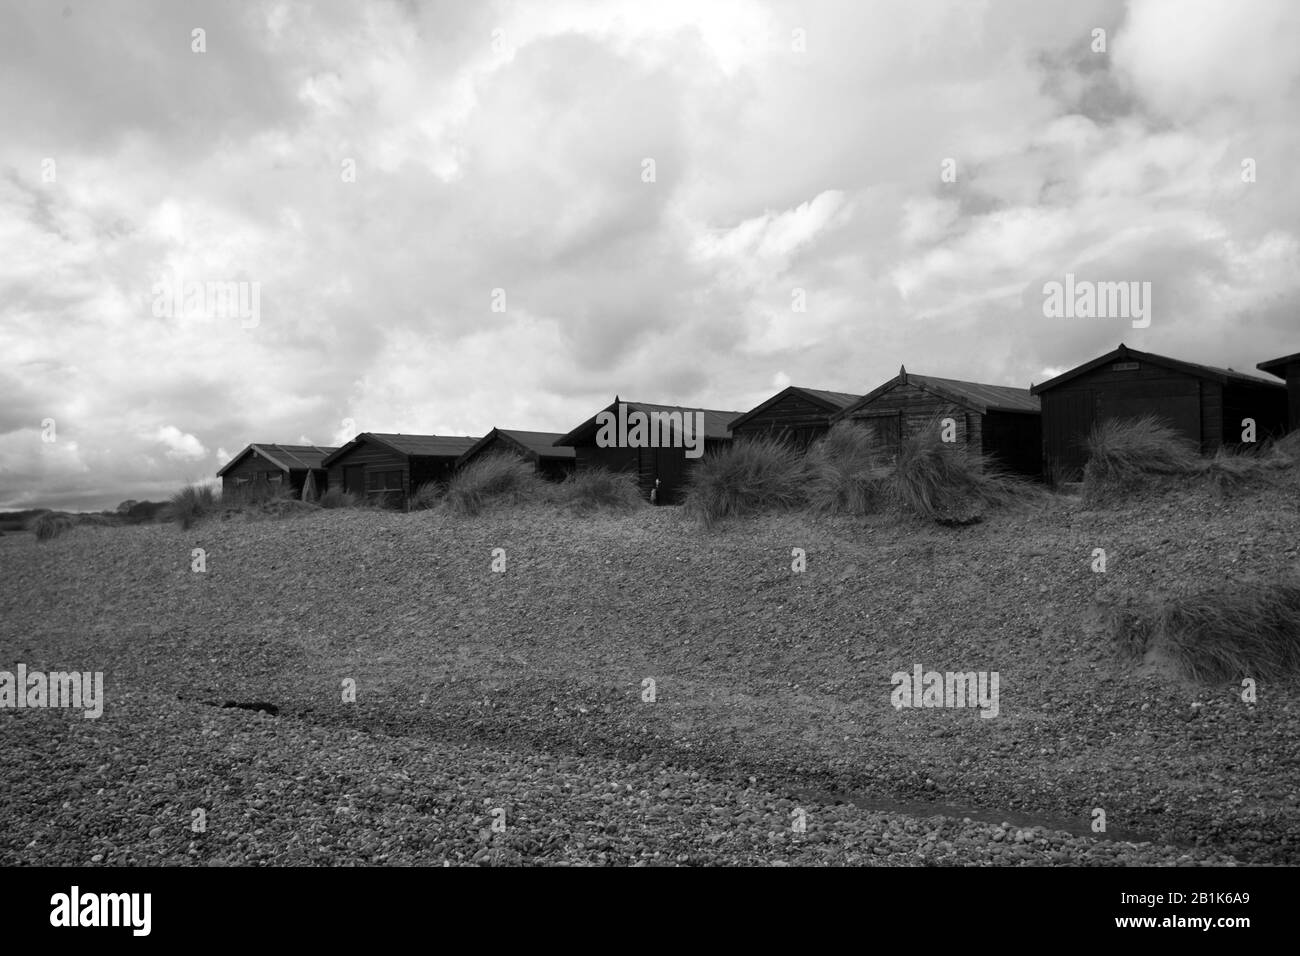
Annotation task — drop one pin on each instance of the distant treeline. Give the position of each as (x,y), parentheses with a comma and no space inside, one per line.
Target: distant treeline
(128,512)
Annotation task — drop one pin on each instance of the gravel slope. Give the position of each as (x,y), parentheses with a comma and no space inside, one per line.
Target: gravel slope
(523,691)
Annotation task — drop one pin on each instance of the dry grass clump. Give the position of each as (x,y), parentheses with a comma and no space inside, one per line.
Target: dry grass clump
(192,504)
(337,498)
(1226,633)
(847,471)
(948,482)
(747,477)
(1128,454)
(493,480)
(428,495)
(50,524)
(598,489)
(283,508)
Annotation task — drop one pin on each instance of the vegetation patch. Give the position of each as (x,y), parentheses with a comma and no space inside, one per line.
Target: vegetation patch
(597,490)
(847,472)
(1225,633)
(747,477)
(338,498)
(50,524)
(492,480)
(947,482)
(1130,455)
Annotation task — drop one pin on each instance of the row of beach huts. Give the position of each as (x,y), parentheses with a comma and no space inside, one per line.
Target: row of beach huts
(1037,432)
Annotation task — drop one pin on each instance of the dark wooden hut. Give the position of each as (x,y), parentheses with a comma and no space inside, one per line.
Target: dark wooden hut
(996,420)
(795,414)
(1287,368)
(553,462)
(392,468)
(264,466)
(1205,404)
(667,461)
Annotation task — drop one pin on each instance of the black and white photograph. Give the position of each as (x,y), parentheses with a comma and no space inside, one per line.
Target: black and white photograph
(851,435)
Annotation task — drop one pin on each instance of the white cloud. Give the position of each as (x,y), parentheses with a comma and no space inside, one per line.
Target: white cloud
(178,444)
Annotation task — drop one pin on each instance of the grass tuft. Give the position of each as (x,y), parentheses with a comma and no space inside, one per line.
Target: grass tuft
(192,504)
(847,471)
(50,525)
(286,508)
(337,498)
(747,477)
(492,480)
(1232,631)
(428,495)
(1127,454)
(598,489)
(947,482)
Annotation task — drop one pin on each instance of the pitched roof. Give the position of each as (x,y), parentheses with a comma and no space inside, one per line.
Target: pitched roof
(541,444)
(1224,376)
(996,398)
(831,401)
(1278,366)
(976,396)
(430,446)
(716,423)
(285,457)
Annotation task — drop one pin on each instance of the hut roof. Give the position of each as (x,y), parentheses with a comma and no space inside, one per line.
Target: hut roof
(976,396)
(1278,366)
(284,457)
(1224,376)
(831,401)
(715,422)
(541,444)
(429,446)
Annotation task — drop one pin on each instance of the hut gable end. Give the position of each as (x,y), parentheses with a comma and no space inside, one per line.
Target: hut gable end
(1206,405)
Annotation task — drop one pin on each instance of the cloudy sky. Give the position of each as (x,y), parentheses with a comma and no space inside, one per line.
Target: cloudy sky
(464,215)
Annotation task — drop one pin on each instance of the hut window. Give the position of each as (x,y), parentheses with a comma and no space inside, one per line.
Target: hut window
(1125,367)
(380,481)
(887,427)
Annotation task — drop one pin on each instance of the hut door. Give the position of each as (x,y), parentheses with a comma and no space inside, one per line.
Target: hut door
(354,479)
(1177,403)
(1066,424)
(670,469)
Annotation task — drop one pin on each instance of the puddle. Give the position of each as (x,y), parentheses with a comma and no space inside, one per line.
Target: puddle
(1075,826)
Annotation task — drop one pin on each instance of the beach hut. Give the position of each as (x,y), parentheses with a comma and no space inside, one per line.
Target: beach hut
(265,467)
(996,420)
(1287,368)
(652,441)
(795,414)
(552,462)
(392,467)
(1207,405)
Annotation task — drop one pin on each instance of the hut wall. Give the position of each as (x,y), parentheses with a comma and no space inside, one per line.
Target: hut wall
(252,469)
(1126,389)
(794,418)
(384,471)
(907,410)
(1267,406)
(1015,439)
